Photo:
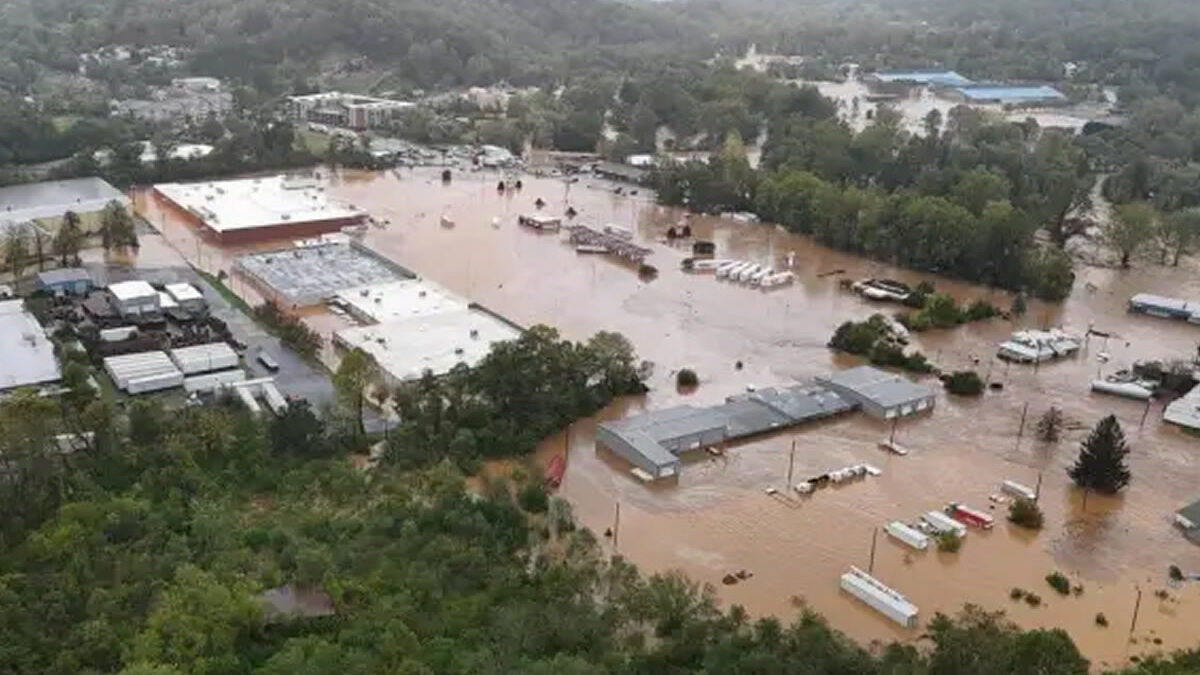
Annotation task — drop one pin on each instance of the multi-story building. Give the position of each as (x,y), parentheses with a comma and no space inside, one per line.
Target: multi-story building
(345,110)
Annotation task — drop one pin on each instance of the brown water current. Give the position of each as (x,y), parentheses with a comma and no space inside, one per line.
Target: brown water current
(717,518)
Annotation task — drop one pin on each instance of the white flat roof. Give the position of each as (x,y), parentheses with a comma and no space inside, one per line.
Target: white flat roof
(184,292)
(399,300)
(131,290)
(256,202)
(406,348)
(28,355)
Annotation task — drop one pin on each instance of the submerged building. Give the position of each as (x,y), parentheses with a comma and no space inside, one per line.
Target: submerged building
(652,442)
(881,394)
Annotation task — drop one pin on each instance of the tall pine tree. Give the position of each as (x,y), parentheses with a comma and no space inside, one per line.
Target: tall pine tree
(1101,463)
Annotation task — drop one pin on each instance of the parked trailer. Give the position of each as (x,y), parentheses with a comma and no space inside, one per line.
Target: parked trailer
(744,274)
(880,597)
(756,278)
(941,523)
(733,269)
(779,279)
(213,381)
(1126,389)
(1017,490)
(907,535)
(155,382)
(708,265)
(969,516)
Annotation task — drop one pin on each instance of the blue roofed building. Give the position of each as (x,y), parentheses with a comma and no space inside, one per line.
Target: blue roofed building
(1011,94)
(65,280)
(944,78)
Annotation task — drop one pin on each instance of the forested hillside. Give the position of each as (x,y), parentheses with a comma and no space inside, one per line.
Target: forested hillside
(429,43)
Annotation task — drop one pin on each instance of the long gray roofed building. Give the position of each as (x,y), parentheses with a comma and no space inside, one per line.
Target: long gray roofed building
(653,440)
(880,393)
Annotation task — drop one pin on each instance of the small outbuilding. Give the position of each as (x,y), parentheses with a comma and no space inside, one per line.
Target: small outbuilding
(134,298)
(64,281)
(880,393)
(186,296)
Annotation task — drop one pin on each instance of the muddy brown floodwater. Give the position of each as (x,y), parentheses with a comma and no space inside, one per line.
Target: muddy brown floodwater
(717,518)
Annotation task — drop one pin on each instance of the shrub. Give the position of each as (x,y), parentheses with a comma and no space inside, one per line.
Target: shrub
(1016,593)
(981,310)
(1026,513)
(965,383)
(686,378)
(1101,620)
(1033,599)
(949,542)
(533,498)
(1059,582)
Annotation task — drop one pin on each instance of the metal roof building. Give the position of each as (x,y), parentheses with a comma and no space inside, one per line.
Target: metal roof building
(1185,410)
(51,199)
(1165,308)
(880,393)
(134,297)
(653,440)
(947,78)
(1003,93)
(28,355)
(73,280)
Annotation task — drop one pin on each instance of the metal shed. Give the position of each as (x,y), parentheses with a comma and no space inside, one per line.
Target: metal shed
(204,358)
(67,280)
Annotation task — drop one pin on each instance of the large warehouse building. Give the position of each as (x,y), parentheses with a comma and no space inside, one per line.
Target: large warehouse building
(44,204)
(258,209)
(414,326)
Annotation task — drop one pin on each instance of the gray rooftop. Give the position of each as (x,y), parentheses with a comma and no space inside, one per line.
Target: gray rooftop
(878,386)
(312,274)
(669,423)
(63,275)
(1191,512)
(28,354)
(740,416)
(53,198)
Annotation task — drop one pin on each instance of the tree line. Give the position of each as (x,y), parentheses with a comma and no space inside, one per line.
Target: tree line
(965,201)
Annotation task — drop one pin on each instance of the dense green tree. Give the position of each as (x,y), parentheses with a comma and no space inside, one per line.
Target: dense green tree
(355,375)
(1101,464)
(1131,228)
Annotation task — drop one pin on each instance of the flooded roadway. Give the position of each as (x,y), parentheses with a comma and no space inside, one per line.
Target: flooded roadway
(718,519)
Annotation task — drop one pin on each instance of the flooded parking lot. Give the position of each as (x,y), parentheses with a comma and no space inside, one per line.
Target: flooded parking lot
(717,518)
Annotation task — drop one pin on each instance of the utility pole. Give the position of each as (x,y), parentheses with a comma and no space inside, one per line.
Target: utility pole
(1144,414)
(616,525)
(1037,492)
(1021,430)
(892,436)
(791,463)
(871,564)
(1137,605)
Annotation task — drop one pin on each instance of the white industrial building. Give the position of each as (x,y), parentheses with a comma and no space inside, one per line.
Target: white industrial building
(28,356)
(399,300)
(254,209)
(143,372)
(417,326)
(134,298)
(404,349)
